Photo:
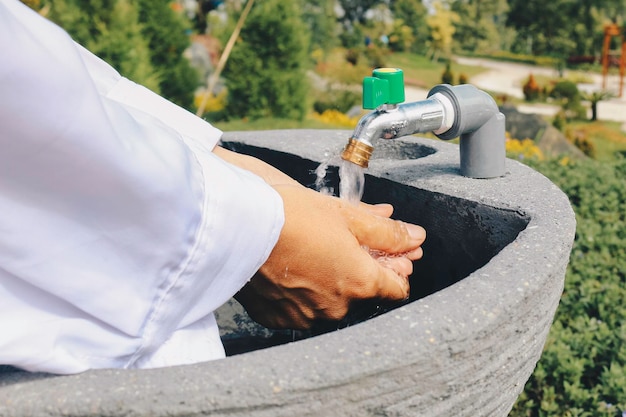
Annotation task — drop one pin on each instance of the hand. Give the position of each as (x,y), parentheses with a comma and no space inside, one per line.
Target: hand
(321,263)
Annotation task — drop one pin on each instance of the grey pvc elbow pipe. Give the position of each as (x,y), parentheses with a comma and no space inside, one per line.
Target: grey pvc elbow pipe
(481,126)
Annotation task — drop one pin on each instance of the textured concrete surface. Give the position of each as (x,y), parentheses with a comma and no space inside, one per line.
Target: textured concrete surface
(486,293)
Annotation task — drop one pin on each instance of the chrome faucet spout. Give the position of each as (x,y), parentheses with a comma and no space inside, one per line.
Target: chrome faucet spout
(448,112)
(405,119)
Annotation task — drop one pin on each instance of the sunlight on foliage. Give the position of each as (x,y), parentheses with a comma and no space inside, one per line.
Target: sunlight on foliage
(336,118)
(214,103)
(523,149)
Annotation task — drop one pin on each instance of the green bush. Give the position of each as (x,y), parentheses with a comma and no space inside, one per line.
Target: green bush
(560,120)
(375,56)
(565,89)
(447,77)
(352,56)
(567,93)
(581,140)
(583,368)
(334,99)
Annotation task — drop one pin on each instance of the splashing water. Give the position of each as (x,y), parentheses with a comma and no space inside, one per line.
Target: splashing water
(320,180)
(351,179)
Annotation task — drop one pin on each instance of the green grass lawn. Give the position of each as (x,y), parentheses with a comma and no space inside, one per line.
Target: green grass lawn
(272,123)
(418,70)
(423,72)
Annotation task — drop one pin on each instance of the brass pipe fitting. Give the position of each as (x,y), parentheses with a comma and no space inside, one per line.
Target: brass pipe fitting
(357,152)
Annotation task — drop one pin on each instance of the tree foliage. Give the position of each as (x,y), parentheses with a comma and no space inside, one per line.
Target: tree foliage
(143,39)
(266,70)
(562,27)
(354,10)
(481,25)
(322,23)
(594,97)
(410,31)
(442,27)
(166,33)
(112,32)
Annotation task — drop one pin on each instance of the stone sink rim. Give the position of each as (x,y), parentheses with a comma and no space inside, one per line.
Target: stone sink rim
(274,381)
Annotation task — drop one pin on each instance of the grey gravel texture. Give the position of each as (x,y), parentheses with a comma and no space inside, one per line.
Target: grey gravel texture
(464,345)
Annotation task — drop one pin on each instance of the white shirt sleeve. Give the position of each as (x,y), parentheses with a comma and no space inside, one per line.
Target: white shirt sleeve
(121,232)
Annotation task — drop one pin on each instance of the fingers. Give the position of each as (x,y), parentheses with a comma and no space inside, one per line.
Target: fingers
(402,265)
(321,247)
(390,281)
(386,235)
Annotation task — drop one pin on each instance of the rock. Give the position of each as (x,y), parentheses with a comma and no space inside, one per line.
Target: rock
(549,139)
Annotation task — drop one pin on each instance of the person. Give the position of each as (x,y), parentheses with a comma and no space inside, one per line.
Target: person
(125,225)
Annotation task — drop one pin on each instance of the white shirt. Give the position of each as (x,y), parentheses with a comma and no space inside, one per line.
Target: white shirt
(120,231)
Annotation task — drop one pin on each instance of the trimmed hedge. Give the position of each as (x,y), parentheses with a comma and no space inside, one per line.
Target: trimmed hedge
(582,371)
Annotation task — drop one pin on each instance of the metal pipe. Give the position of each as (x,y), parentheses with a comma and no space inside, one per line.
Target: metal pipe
(448,112)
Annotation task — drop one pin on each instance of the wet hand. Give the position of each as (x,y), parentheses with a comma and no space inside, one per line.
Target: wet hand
(322,262)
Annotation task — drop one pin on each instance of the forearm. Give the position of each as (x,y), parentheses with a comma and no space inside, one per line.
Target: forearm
(268,173)
(120,226)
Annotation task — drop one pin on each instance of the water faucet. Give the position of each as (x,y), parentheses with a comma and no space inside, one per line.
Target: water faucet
(448,112)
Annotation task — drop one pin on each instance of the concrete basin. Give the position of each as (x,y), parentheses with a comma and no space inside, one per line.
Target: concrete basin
(482,302)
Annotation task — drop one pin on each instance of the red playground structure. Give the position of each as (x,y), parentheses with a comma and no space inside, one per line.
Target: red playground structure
(613,57)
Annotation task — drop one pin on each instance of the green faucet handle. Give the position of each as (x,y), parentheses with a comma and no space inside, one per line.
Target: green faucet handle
(385,86)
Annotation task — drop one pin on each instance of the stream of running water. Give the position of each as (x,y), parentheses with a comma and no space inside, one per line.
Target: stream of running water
(351,180)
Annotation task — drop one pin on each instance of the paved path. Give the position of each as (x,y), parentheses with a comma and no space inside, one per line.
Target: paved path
(508,78)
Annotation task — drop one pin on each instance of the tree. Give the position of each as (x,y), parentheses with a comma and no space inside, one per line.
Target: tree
(594,98)
(480,27)
(143,39)
(355,10)
(265,74)
(410,29)
(543,27)
(202,10)
(441,24)
(321,19)
(562,27)
(112,32)
(166,33)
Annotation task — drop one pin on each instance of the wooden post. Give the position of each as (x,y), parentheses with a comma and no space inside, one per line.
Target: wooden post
(223,58)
